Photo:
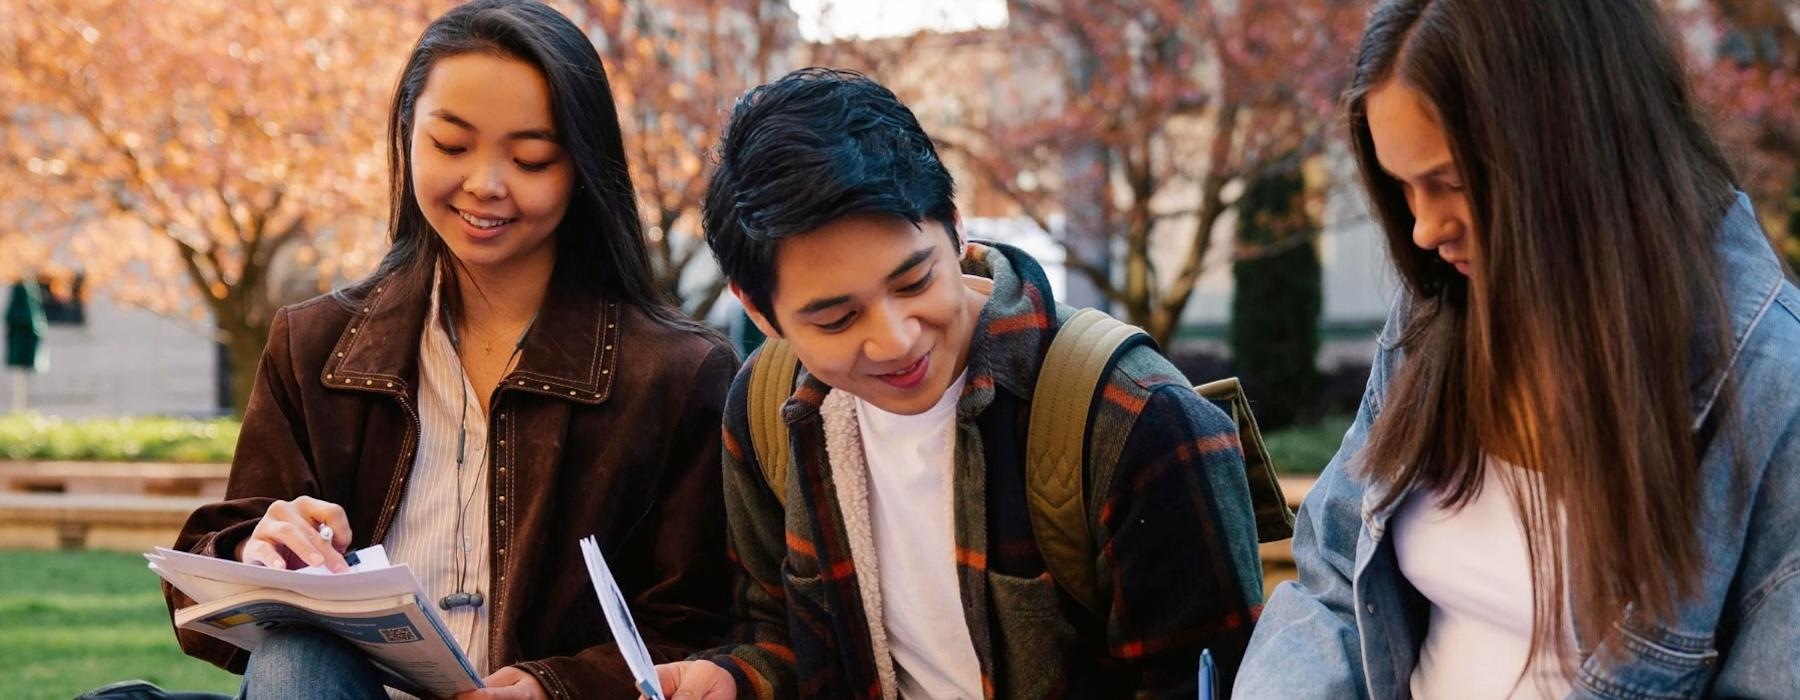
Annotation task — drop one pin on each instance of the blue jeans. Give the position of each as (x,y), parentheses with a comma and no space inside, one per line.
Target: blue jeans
(303,662)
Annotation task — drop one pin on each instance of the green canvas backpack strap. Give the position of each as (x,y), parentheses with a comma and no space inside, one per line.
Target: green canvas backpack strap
(1274,520)
(1078,359)
(771,383)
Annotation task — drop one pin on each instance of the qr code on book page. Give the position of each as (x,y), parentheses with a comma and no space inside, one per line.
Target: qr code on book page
(395,635)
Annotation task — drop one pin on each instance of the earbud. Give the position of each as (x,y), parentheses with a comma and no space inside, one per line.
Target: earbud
(461,599)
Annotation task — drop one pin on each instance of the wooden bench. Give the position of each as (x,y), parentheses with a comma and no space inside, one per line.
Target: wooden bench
(127,478)
(120,522)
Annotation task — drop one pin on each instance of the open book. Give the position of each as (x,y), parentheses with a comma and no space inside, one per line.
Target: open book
(379,608)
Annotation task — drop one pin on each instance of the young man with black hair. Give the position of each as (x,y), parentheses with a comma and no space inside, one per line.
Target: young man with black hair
(891,552)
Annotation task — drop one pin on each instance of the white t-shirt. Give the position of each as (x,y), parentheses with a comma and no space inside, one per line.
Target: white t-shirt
(911,459)
(1472,565)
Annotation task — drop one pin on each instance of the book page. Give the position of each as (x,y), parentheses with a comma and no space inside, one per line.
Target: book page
(618,617)
(223,574)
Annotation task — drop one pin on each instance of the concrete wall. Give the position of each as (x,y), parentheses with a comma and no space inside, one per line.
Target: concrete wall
(122,361)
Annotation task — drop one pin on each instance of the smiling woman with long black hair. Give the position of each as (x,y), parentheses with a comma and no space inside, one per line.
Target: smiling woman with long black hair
(507,382)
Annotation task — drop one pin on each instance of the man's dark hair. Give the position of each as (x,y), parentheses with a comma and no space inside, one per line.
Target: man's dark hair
(812,147)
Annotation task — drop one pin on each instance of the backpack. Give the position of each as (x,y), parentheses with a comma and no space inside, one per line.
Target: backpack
(1085,349)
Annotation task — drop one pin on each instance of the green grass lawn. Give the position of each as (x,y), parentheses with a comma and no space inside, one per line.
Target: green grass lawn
(72,621)
(1306,449)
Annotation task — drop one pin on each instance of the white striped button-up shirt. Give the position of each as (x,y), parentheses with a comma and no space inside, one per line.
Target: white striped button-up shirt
(425,534)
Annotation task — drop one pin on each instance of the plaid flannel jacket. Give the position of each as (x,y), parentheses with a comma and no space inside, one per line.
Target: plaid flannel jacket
(1175,534)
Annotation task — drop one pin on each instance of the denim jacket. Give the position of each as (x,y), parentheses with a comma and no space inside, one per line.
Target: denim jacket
(1352,625)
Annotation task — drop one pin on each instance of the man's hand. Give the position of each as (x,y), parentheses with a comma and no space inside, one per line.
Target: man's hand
(696,680)
(509,683)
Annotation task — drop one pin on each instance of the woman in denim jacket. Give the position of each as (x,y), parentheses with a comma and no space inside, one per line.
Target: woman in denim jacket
(1576,469)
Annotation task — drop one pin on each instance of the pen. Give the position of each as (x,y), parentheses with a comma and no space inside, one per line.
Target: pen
(1208,676)
(350,558)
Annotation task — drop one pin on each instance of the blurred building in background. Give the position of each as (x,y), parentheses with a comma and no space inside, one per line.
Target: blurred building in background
(107,359)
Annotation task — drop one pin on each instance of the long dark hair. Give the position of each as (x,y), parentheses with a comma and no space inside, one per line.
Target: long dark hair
(600,242)
(1596,194)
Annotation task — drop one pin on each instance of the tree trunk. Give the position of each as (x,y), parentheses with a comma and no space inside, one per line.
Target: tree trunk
(244,343)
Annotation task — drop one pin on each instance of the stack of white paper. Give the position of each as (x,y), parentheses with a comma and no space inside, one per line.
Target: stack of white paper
(375,606)
(618,617)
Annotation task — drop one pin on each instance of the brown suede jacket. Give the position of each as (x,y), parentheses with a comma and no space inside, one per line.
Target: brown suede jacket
(609,425)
